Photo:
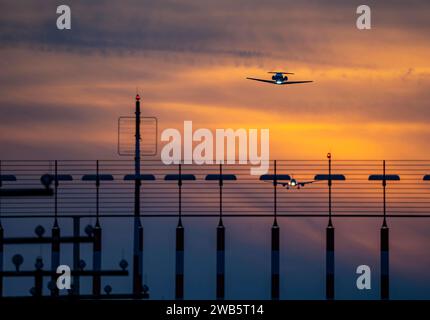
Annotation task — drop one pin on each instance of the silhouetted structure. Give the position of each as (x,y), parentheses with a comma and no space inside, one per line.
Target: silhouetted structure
(385,271)
(179,265)
(138,228)
(137,147)
(55,241)
(275,245)
(56,235)
(285,205)
(220,234)
(97,231)
(330,263)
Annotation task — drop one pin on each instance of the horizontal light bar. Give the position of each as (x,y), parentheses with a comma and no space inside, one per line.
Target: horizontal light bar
(141,177)
(99,177)
(275,177)
(381,177)
(220,177)
(177,177)
(333,177)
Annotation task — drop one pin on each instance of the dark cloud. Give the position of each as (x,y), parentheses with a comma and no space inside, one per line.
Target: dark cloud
(46,113)
(245,29)
(129,26)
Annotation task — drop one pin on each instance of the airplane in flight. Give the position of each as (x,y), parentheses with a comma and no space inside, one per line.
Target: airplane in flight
(293,183)
(280,78)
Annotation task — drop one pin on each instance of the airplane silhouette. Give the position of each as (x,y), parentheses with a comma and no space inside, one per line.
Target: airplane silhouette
(279,78)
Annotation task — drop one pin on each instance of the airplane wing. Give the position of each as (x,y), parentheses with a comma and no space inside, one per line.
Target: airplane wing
(294,82)
(281,182)
(268,81)
(274,72)
(306,182)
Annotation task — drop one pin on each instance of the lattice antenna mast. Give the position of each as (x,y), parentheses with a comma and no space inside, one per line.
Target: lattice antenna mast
(137,137)
(138,229)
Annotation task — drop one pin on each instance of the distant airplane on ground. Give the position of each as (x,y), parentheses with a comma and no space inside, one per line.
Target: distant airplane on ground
(279,78)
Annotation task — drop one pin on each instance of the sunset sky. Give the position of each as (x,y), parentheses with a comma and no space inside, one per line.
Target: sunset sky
(61,93)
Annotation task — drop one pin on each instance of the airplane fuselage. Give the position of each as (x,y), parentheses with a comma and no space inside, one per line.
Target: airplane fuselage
(279,78)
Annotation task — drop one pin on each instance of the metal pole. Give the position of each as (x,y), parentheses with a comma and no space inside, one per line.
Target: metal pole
(55,246)
(275,242)
(97,243)
(76,255)
(138,228)
(1,259)
(38,278)
(329,189)
(329,242)
(1,238)
(97,260)
(385,280)
(220,261)
(179,279)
